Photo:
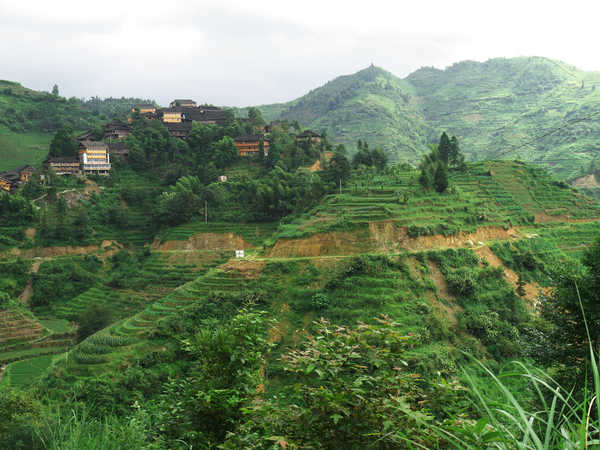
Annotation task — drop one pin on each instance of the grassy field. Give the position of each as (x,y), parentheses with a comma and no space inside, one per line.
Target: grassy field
(22,374)
(18,149)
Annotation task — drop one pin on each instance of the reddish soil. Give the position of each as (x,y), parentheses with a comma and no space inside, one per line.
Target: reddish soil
(382,237)
(532,290)
(247,268)
(205,241)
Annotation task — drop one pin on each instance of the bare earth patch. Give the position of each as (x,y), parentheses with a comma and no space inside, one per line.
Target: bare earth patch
(532,290)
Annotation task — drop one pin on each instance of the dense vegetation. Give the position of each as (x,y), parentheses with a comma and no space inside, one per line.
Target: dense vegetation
(368,300)
(533,109)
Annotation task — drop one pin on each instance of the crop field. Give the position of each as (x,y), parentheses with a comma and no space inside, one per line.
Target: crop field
(22,374)
(253,233)
(501,193)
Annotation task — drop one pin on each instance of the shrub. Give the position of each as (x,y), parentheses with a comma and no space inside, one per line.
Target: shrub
(320,301)
(93,319)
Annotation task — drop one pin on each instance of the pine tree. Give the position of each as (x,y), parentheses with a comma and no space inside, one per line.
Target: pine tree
(440,177)
(444,148)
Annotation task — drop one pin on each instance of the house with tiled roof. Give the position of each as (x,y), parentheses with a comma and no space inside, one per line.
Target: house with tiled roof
(250,145)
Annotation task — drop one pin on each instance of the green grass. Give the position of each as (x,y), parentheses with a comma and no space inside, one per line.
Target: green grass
(19,149)
(22,374)
(57,325)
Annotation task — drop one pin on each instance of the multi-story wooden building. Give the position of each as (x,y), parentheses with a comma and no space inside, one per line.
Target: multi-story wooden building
(183,102)
(116,130)
(118,149)
(64,165)
(145,108)
(315,138)
(94,157)
(250,145)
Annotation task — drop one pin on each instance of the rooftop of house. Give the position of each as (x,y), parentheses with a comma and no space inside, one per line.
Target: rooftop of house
(252,138)
(116,124)
(144,106)
(93,145)
(183,100)
(85,136)
(179,126)
(61,159)
(308,133)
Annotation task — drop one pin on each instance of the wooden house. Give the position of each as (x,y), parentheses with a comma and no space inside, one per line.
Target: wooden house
(179,129)
(116,130)
(25,173)
(64,165)
(172,115)
(249,145)
(87,136)
(118,149)
(315,138)
(144,108)
(7,182)
(186,103)
(94,157)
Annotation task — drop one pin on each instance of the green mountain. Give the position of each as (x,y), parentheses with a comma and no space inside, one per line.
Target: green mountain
(534,109)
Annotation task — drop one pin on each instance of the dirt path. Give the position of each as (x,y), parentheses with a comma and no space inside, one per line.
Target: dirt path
(532,290)
(444,293)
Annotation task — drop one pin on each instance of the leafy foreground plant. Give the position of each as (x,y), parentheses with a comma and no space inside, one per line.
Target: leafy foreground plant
(561,422)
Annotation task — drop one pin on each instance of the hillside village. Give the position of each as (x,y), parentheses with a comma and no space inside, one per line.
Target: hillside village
(94,156)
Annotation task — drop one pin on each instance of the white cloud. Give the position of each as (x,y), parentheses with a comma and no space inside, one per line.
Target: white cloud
(239,52)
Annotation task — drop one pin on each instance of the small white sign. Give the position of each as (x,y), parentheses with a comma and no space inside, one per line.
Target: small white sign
(239,253)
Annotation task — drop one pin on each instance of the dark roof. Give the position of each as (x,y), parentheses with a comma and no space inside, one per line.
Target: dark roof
(178,126)
(252,138)
(117,124)
(184,100)
(93,145)
(11,177)
(85,136)
(308,133)
(144,106)
(61,159)
(25,167)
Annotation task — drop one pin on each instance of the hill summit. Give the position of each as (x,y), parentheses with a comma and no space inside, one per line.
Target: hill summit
(529,108)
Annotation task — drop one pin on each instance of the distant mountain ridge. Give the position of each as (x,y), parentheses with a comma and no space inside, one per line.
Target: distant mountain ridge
(529,108)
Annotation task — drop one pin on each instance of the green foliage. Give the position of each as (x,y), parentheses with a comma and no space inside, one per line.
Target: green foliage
(202,407)
(62,279)
(349,388)
(64,143)
(93,319)
(15,210)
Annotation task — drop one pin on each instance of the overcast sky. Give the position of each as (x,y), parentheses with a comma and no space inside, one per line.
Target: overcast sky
(231,52)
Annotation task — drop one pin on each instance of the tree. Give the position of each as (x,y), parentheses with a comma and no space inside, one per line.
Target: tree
(64,143)
(225,153)
(93,319)
(379,158)
(568,343)
(440,177)
(256,117)
(55,90)
(338,167)
(444,148)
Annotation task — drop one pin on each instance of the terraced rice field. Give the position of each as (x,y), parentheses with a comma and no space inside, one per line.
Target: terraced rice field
(22,374)
(253,233)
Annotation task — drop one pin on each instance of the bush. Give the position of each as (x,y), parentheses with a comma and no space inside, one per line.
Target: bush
(462,282)
(320,301)
(93,319)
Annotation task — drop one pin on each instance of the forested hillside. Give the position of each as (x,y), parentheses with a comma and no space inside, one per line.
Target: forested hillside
(534,109)
(29,118)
